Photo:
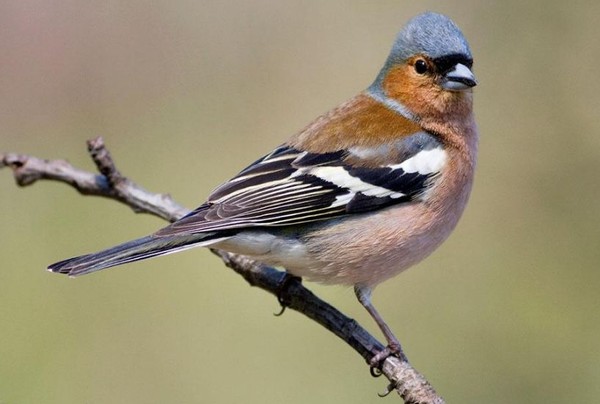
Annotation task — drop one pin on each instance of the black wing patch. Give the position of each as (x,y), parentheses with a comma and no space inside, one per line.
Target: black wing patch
(290,187)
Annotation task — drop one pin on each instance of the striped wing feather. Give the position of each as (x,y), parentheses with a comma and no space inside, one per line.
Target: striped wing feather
(289,187)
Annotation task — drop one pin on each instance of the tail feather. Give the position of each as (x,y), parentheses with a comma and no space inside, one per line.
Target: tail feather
(142,248)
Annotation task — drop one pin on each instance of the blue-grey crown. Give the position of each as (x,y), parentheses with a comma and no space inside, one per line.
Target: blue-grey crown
(431,34)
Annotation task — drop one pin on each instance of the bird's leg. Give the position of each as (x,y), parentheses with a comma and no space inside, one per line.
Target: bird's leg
(363,294)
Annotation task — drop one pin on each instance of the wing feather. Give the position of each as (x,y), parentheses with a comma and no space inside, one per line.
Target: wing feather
(290,187)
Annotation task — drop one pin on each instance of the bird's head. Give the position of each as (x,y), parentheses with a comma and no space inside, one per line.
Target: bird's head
(429,69)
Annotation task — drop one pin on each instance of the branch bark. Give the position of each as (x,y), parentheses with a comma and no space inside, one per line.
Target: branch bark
(410,385)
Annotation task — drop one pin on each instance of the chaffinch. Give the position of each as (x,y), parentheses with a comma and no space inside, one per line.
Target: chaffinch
(362,193)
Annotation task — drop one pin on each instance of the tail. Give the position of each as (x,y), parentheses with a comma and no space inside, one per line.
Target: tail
(142,248)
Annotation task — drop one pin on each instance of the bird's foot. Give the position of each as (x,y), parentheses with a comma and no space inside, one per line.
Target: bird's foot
(375,363)
(393,349)
(286,281)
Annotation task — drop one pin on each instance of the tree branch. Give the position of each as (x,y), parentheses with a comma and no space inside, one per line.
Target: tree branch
(410,385)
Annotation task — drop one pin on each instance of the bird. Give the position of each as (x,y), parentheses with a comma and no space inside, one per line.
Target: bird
(362,193)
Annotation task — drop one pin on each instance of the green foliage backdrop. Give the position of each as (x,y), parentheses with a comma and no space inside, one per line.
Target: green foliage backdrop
(187,93)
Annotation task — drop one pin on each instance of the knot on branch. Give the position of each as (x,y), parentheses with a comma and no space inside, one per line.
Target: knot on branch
(24,172)
(104,162)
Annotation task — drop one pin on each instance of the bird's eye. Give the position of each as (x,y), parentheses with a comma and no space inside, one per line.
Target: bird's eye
(421,66)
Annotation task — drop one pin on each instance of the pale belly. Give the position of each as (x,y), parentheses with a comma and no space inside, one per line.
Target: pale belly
(364,250)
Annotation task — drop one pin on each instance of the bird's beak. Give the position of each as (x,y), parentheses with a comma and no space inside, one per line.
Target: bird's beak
(459,78)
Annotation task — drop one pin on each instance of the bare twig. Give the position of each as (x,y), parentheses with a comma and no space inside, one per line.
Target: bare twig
(110,184)
(411,386)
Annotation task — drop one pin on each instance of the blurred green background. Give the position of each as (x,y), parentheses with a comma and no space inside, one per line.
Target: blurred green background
(186,93)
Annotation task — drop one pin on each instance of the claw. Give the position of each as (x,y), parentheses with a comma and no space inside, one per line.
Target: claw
(391,387)
(375,371)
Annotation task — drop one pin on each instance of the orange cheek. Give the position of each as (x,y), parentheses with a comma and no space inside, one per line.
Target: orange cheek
(417,93)
(421,95)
